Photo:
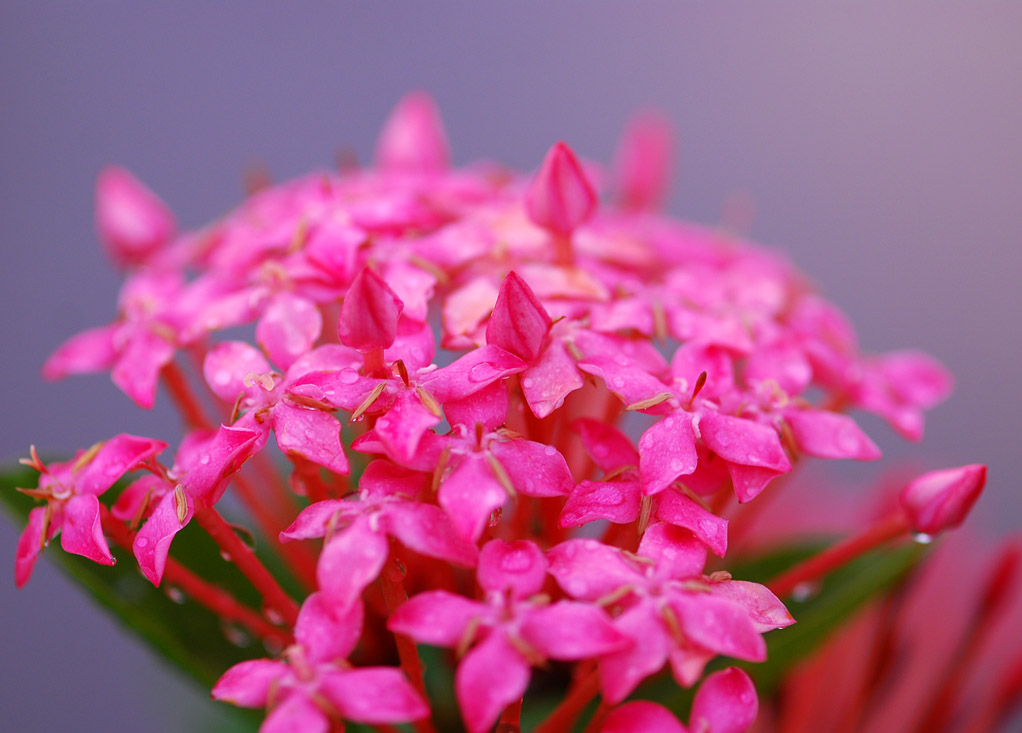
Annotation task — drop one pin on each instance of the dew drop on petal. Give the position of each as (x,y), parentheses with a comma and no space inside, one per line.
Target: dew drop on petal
(142,542)
(482,372)
(527,382)
(922,538)
(347,376)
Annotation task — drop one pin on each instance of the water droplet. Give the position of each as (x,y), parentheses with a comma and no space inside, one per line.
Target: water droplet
(600,450)
(175,594)
(677,464)
(516,561)
(618,382)
(754,458)
(484,371)
(550,450)
(235,634)
(577,587)
(142,541)
(273,616)
(610,497)
(204,460)
(805,591)
(527,382)
(622,360)
(222,377)
(347,376)
(224,556)
(922,538)
(245,535)
(273,646)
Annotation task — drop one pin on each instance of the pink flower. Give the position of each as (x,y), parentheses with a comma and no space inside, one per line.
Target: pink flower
(313,684)
(511,629)
(940,500)
(71,491)
(669,608)
(133,223)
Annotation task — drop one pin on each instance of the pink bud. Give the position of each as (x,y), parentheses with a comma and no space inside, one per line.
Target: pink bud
(519,322)
(643,161)
(132,221)
(369,313)
(413,137)
(560,197)
(940,500)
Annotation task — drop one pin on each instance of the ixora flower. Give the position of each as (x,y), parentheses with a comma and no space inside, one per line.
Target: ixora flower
(516,409)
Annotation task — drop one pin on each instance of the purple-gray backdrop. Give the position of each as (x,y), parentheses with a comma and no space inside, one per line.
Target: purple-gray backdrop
(880,144)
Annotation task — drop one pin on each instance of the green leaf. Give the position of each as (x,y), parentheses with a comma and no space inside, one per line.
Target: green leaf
(180,630)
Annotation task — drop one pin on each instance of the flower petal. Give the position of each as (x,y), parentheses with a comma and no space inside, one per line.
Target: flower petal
(117,456)
(469,495)
(677,509)
(373,695)
(228,364)
(30,544)
(403,425)
(288,328)
(570,630)
(675,551)
(427,530)
(622,671)
(642,716)
(435,617)
(725,703)
(313,520)
(247,684)
(83,353)
(830,435)
(718,625)
(82,530)
(296,714)
(312,434)
(589,570)
(349,562)
(326,633)
(138,366)
(469,374)
(535,469)
(519,322)
(667,450)
(369,313)
(152,543)
(609,448)
(489,678)
(518,567)
(615,501)
(547,382)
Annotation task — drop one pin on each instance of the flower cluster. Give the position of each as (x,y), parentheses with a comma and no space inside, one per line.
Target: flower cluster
(530,378)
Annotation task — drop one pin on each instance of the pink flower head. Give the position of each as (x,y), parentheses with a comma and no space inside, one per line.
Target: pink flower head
(643,161)
(669,608)
(413,138)
(313,684)
(510,630)
(725,703)
(133,222)
(560,197)
(940,500)
(71,491)
(369,313)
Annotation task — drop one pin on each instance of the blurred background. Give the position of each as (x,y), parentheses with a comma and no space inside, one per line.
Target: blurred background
(880,145)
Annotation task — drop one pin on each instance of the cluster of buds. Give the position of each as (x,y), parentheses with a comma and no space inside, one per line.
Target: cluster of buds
(516,413)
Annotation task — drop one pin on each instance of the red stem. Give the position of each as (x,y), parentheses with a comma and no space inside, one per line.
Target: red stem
(250,566)
(217,600)
(838,555)
(564,715)
(393,596)
(511,718)
(190,407)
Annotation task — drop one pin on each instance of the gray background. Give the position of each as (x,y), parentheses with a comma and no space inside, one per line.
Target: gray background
(879,141)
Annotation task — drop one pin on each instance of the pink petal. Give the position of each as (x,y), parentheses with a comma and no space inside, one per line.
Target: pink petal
(519,567)
(519,323)
(383,478)
(312,521)
(570,630)
(535,469)
(30,544)
(119,455)
(413,287)
(616,501)
(435,617)
(642,716)
(297,714)
(413,137)
(130,501)
(152,543)
(401,428)
(226,365)
(741,441)
(726,703)
(247,684)
(325,358)
(552,378)
(133,222)
(369,313)
(643,161)
(675,551)
(749,481)
(470,494)
(82,530)
(764,608)
(489,678)
(466,307)
(333,246)
(941,500)
(312,434)
(487,407)
(373,695)
(560,197)
(692,359)
(137,370)
(718,625)
(622,671)
(589,570)
(472,372)
(918,379)
(88,351)
(677,509)
(609,448)
(349,562)
(415,345)
(830,435)
(325,633)
(427,530)
(626,381)
(783,363)
(288,328)
(219,460)
(667,450)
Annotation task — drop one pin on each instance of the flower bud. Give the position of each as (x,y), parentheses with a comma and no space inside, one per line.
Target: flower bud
(369,313)
(941,500)
(519,322)
(643,161)
(132,221)
(413,137)
(560,197)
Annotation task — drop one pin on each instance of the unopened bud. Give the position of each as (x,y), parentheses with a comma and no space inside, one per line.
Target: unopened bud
(941,500)
(413,137)
(369,313)
(132,221)
(519,322)
(643,161)
(560,197)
